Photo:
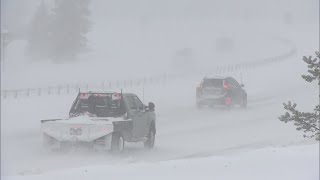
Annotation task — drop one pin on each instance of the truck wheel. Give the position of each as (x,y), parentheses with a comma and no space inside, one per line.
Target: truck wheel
(117,142)
(149,143)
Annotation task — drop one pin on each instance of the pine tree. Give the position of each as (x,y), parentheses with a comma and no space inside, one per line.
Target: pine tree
(69,26)
(305,121)
(38,39)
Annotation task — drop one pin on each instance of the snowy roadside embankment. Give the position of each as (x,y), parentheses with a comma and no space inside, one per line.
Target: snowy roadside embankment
(294,163)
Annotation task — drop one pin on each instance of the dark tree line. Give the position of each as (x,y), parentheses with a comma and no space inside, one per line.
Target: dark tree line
(59,33)
(308,122)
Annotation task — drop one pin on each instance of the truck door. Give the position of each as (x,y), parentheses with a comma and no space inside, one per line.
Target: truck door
(139,117)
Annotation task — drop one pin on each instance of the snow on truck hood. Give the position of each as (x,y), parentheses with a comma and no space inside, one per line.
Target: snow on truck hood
(86,120)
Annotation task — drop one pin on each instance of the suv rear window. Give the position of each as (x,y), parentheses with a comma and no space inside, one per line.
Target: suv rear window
(216,83)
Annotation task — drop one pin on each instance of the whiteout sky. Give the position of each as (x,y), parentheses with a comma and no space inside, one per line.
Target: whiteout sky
(142,39)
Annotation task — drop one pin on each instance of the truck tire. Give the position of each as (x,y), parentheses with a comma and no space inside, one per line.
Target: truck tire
(149,143)
(117,142)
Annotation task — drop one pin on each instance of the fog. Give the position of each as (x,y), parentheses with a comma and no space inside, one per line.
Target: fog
(161,51)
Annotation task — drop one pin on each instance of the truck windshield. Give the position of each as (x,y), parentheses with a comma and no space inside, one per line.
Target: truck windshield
(99,104)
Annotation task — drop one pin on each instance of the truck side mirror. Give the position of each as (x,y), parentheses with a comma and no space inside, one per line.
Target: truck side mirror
(151,106)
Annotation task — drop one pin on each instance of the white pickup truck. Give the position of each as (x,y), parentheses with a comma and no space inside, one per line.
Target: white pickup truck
(103,120)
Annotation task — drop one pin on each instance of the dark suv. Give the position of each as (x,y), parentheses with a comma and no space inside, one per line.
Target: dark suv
(220,91)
